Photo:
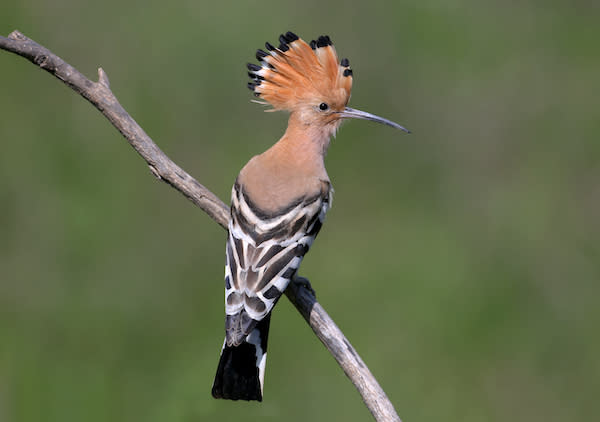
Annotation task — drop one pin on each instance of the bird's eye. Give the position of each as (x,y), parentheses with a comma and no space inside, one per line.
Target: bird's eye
(323,106)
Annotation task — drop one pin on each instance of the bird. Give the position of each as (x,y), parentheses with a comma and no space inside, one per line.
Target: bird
(279,199)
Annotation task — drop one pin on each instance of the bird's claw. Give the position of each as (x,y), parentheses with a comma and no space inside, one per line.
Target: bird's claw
(303,282)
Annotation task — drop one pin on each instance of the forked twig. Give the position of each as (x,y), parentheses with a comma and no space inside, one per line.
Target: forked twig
(161,166)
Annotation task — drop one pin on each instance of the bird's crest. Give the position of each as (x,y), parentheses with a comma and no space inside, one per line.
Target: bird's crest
(297,74)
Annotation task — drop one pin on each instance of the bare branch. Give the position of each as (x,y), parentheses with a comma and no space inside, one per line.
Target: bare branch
(100,95)
(161,166)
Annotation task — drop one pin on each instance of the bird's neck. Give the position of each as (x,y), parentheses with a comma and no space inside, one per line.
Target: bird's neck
(290,169)
(303,144)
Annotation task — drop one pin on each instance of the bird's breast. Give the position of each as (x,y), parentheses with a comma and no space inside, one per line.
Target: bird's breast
(274,185)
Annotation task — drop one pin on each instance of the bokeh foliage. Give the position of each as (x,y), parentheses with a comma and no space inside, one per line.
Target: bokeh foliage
(463,261)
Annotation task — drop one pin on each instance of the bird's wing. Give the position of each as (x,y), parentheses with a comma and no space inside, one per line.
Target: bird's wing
(264,250)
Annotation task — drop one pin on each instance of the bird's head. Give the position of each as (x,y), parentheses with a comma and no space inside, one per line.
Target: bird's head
(309,81)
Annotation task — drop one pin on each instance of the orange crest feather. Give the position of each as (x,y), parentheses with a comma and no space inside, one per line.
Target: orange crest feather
(298,74)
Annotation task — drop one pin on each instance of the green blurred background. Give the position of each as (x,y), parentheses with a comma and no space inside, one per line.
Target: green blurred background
(462,261)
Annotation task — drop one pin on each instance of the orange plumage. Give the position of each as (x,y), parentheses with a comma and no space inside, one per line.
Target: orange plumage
(296,74)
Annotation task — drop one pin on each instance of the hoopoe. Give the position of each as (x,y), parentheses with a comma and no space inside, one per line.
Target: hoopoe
(279,199)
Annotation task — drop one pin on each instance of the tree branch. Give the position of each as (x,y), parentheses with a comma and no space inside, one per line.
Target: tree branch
(161,166)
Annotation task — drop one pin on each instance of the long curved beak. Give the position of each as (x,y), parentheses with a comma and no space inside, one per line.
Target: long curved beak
(350,113)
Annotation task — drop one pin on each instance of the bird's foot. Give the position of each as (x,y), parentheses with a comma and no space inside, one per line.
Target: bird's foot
(303,282)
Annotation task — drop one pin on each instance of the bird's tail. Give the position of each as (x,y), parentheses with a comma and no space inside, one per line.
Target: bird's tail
(241,370)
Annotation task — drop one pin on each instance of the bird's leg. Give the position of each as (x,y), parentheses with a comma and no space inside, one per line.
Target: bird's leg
(303,282)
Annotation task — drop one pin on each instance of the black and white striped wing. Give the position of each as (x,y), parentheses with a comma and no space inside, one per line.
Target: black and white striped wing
(264,251)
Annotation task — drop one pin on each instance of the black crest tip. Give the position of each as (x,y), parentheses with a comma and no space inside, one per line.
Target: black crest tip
(253,67)
(291,37)
(283,47)
(260,55)
(345,62)
(347,72)
(323,41)
(313,44)
(269,46)
(256,77)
